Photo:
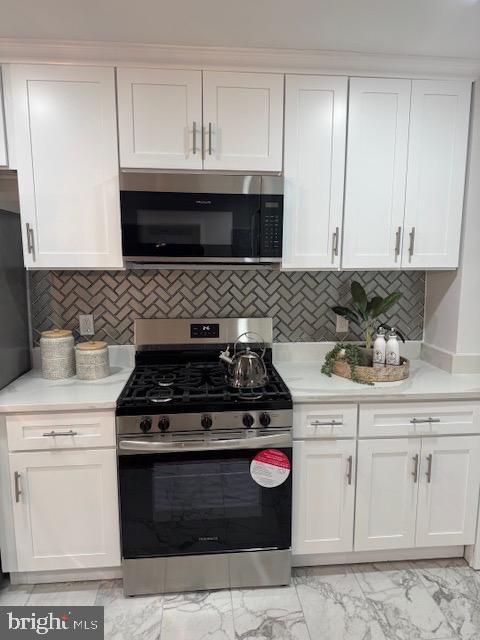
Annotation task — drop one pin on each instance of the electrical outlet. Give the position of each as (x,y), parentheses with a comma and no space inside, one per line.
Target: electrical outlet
(87,328)
(342,324)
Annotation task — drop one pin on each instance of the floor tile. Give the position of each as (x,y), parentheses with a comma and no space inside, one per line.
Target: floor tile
(334,605)
(12,595)
(400,603)
(64,593)
(456,590)
(129,618)
(201,615)
(267,614)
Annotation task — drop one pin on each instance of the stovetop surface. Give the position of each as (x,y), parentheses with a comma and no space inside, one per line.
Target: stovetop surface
(193,386)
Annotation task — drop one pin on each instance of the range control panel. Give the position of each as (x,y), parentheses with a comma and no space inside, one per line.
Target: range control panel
(210,330)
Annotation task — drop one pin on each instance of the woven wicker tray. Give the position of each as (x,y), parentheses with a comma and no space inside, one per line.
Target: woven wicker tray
(386,373)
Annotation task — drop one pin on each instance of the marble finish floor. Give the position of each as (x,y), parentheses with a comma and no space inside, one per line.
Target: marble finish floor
(427,600)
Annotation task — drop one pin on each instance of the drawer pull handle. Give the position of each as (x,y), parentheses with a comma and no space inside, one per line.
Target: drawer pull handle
(424,420)
(415,468)
(349,469)
(429,467)
(329,423)
(18,491)
(53,434)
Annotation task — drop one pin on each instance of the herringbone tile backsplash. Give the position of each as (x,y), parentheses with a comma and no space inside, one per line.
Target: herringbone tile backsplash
(298,302)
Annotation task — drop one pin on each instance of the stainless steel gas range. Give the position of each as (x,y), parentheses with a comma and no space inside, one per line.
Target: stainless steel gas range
(205,477)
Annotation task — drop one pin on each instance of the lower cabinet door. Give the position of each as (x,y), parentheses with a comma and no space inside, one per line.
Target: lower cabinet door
(323,496)
(387,488)
(65,509)
(448,491)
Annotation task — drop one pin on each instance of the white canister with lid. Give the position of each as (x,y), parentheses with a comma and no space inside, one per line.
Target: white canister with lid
(379,348)
(57,354)
(92,360)
(393,348)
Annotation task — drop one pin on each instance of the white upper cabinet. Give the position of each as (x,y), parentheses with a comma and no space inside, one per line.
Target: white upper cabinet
(436,173)
(67,162)
(243,121)
(160,118)
(315,131)
(3,130)
(378,118)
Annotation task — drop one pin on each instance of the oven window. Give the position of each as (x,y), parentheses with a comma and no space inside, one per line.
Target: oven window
(175,504)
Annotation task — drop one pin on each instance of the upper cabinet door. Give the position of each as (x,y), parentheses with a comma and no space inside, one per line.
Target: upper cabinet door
(243,121)
(160,118)
(378,117)
(315,130)
(67,161)
(436,173)
(3,130)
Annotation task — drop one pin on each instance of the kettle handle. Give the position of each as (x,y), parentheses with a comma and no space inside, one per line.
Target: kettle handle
(251,333)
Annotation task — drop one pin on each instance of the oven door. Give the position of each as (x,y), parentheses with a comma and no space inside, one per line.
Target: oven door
(205,497)
(190,227)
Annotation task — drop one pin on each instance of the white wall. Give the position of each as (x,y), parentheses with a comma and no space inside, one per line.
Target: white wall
(452,310)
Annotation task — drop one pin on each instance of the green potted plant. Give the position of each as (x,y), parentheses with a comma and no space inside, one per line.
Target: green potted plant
(364,312)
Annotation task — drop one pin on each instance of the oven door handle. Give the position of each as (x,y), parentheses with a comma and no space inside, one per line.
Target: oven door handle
(255,442)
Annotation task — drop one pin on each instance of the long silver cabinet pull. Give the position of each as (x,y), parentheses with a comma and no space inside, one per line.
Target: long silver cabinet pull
(415,468)
(335,237)
(424,420)
(429,467)
(53,434)
(398,240)
(194,137)
(18,491)
(209,138)
(30,240)
(328,423)
(411,247)
(349,469)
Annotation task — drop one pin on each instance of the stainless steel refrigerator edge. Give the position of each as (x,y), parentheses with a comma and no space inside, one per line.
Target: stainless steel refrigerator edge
(14,329)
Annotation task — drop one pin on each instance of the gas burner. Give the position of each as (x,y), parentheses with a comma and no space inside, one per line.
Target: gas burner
(165,379)
(251,394)
(159,396)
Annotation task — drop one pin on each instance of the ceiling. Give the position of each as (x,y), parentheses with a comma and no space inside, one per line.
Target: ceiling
(422,27)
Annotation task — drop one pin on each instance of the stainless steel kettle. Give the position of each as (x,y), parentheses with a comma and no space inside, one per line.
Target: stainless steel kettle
(246,368)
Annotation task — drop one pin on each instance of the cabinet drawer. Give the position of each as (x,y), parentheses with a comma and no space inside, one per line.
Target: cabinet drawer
(410,419)
(324,421)
(61,430)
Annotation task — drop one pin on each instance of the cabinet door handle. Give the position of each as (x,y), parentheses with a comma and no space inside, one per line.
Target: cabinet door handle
(194,137)
(415,468)
(53,434)
(209,138)
(398,239)
(429,467)
(18,491)
(327,423)
(30,240)
(411,247)
(349,469)
(335,237)
(424,420)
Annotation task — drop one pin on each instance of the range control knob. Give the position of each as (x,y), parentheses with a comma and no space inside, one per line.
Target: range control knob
(265,419)
(248,420)
(146,424)
(163,424)
(206,422)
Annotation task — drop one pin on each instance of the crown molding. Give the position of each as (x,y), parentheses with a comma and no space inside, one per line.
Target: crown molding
(274,60)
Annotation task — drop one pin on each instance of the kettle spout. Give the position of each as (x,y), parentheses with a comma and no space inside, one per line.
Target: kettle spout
(225,356)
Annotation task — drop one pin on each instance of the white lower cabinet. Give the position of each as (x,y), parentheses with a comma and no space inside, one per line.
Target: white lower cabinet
(323,496)
(65,509)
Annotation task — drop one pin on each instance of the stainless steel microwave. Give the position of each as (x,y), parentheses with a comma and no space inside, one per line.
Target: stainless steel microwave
(201,218)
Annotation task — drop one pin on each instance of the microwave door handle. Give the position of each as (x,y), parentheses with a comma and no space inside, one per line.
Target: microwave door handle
(141,446)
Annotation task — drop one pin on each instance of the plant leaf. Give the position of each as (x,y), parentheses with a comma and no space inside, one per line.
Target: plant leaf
(375,301)
(345,312)
(385,304)
(359,296)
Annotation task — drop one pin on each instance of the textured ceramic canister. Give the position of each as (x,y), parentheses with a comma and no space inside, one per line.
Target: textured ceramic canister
(92,360)
(57,354)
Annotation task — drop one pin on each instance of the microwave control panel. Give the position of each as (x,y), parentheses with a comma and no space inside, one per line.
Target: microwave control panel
(272,226)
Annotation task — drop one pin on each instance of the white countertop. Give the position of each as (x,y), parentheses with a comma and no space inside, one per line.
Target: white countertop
(308,384)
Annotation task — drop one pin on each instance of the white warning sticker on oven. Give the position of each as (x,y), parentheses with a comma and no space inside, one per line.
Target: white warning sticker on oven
(270,468)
